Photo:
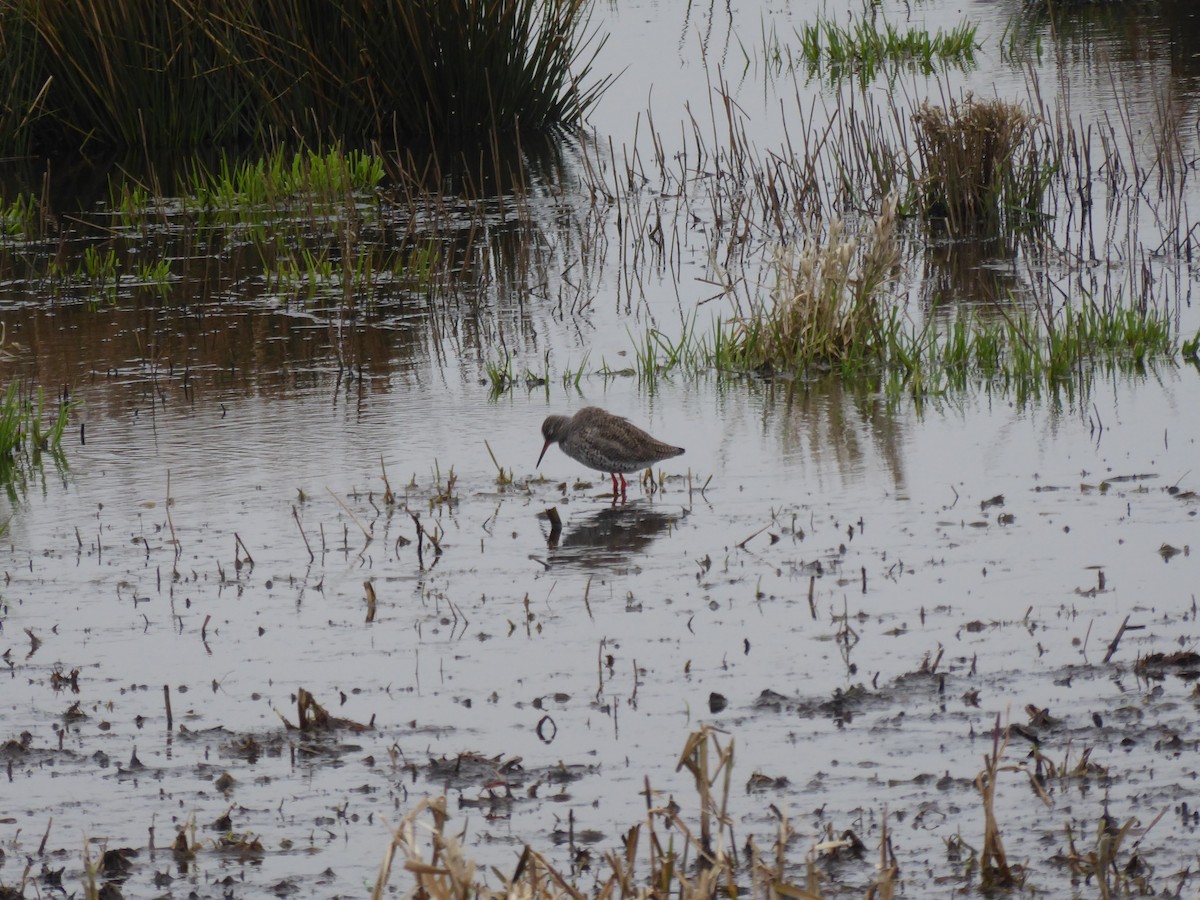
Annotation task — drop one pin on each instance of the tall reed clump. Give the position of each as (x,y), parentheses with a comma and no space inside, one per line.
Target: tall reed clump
(122,74)
(828,306)
(981,167)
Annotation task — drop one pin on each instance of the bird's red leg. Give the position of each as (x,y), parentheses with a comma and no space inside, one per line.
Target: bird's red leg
(613,476)
(623,485)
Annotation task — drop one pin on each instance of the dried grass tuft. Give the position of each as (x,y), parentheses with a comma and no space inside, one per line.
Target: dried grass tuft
(828,306)
(980,167)
(688,861)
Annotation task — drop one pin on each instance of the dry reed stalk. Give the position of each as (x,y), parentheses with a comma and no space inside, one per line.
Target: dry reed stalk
(353,517)
(1112,879)
(389,497)
(768,877)
(994,868)
(446,874)
(884,886)
(993,863)
(695,758)
(91,869)
(296,516)
(441,869)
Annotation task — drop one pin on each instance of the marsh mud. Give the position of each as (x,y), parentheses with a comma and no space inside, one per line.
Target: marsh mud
(265,601)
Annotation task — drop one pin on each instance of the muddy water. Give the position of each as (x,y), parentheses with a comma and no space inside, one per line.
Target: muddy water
(854,589)
(620,634)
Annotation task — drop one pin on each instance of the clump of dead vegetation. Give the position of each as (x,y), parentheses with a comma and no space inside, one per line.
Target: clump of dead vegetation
(670,854)
(829,305)
(980,167)
(665,855)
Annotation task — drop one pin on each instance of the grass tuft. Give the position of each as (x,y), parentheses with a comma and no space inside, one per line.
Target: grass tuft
(980,168)
(28,429)
(828,307)
(18,217)
(864,46)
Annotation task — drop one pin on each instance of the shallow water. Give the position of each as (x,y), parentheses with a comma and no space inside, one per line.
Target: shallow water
(868,585)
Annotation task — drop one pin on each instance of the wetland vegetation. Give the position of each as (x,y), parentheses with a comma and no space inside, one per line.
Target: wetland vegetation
(121,75)
(843,281)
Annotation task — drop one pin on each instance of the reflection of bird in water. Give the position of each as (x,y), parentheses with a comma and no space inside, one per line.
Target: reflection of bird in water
(605,442)
(612,536)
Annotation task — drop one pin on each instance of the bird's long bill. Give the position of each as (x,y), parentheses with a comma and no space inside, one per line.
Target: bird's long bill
(545,447)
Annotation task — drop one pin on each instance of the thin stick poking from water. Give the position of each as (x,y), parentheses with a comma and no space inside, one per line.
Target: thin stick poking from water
(296,516)
(388,496)
(241,543)
(503,478)
(420,540)
(742,545)
(1125,626)
(167,700)
(351,514)
(171,524)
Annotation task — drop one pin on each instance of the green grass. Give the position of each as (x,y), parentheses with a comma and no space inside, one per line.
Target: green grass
(1029,351)
(28,429)
(98,266)
(655,354)
(1024,354)
(866,45)
(86,75)
(1022,39)
(282,178)
(155,275)
(1190,349)
(833,309)
(501,377)
(324,272)
(18,216)
(324,226)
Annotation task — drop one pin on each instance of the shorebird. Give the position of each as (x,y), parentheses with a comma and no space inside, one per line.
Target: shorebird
(606,443)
